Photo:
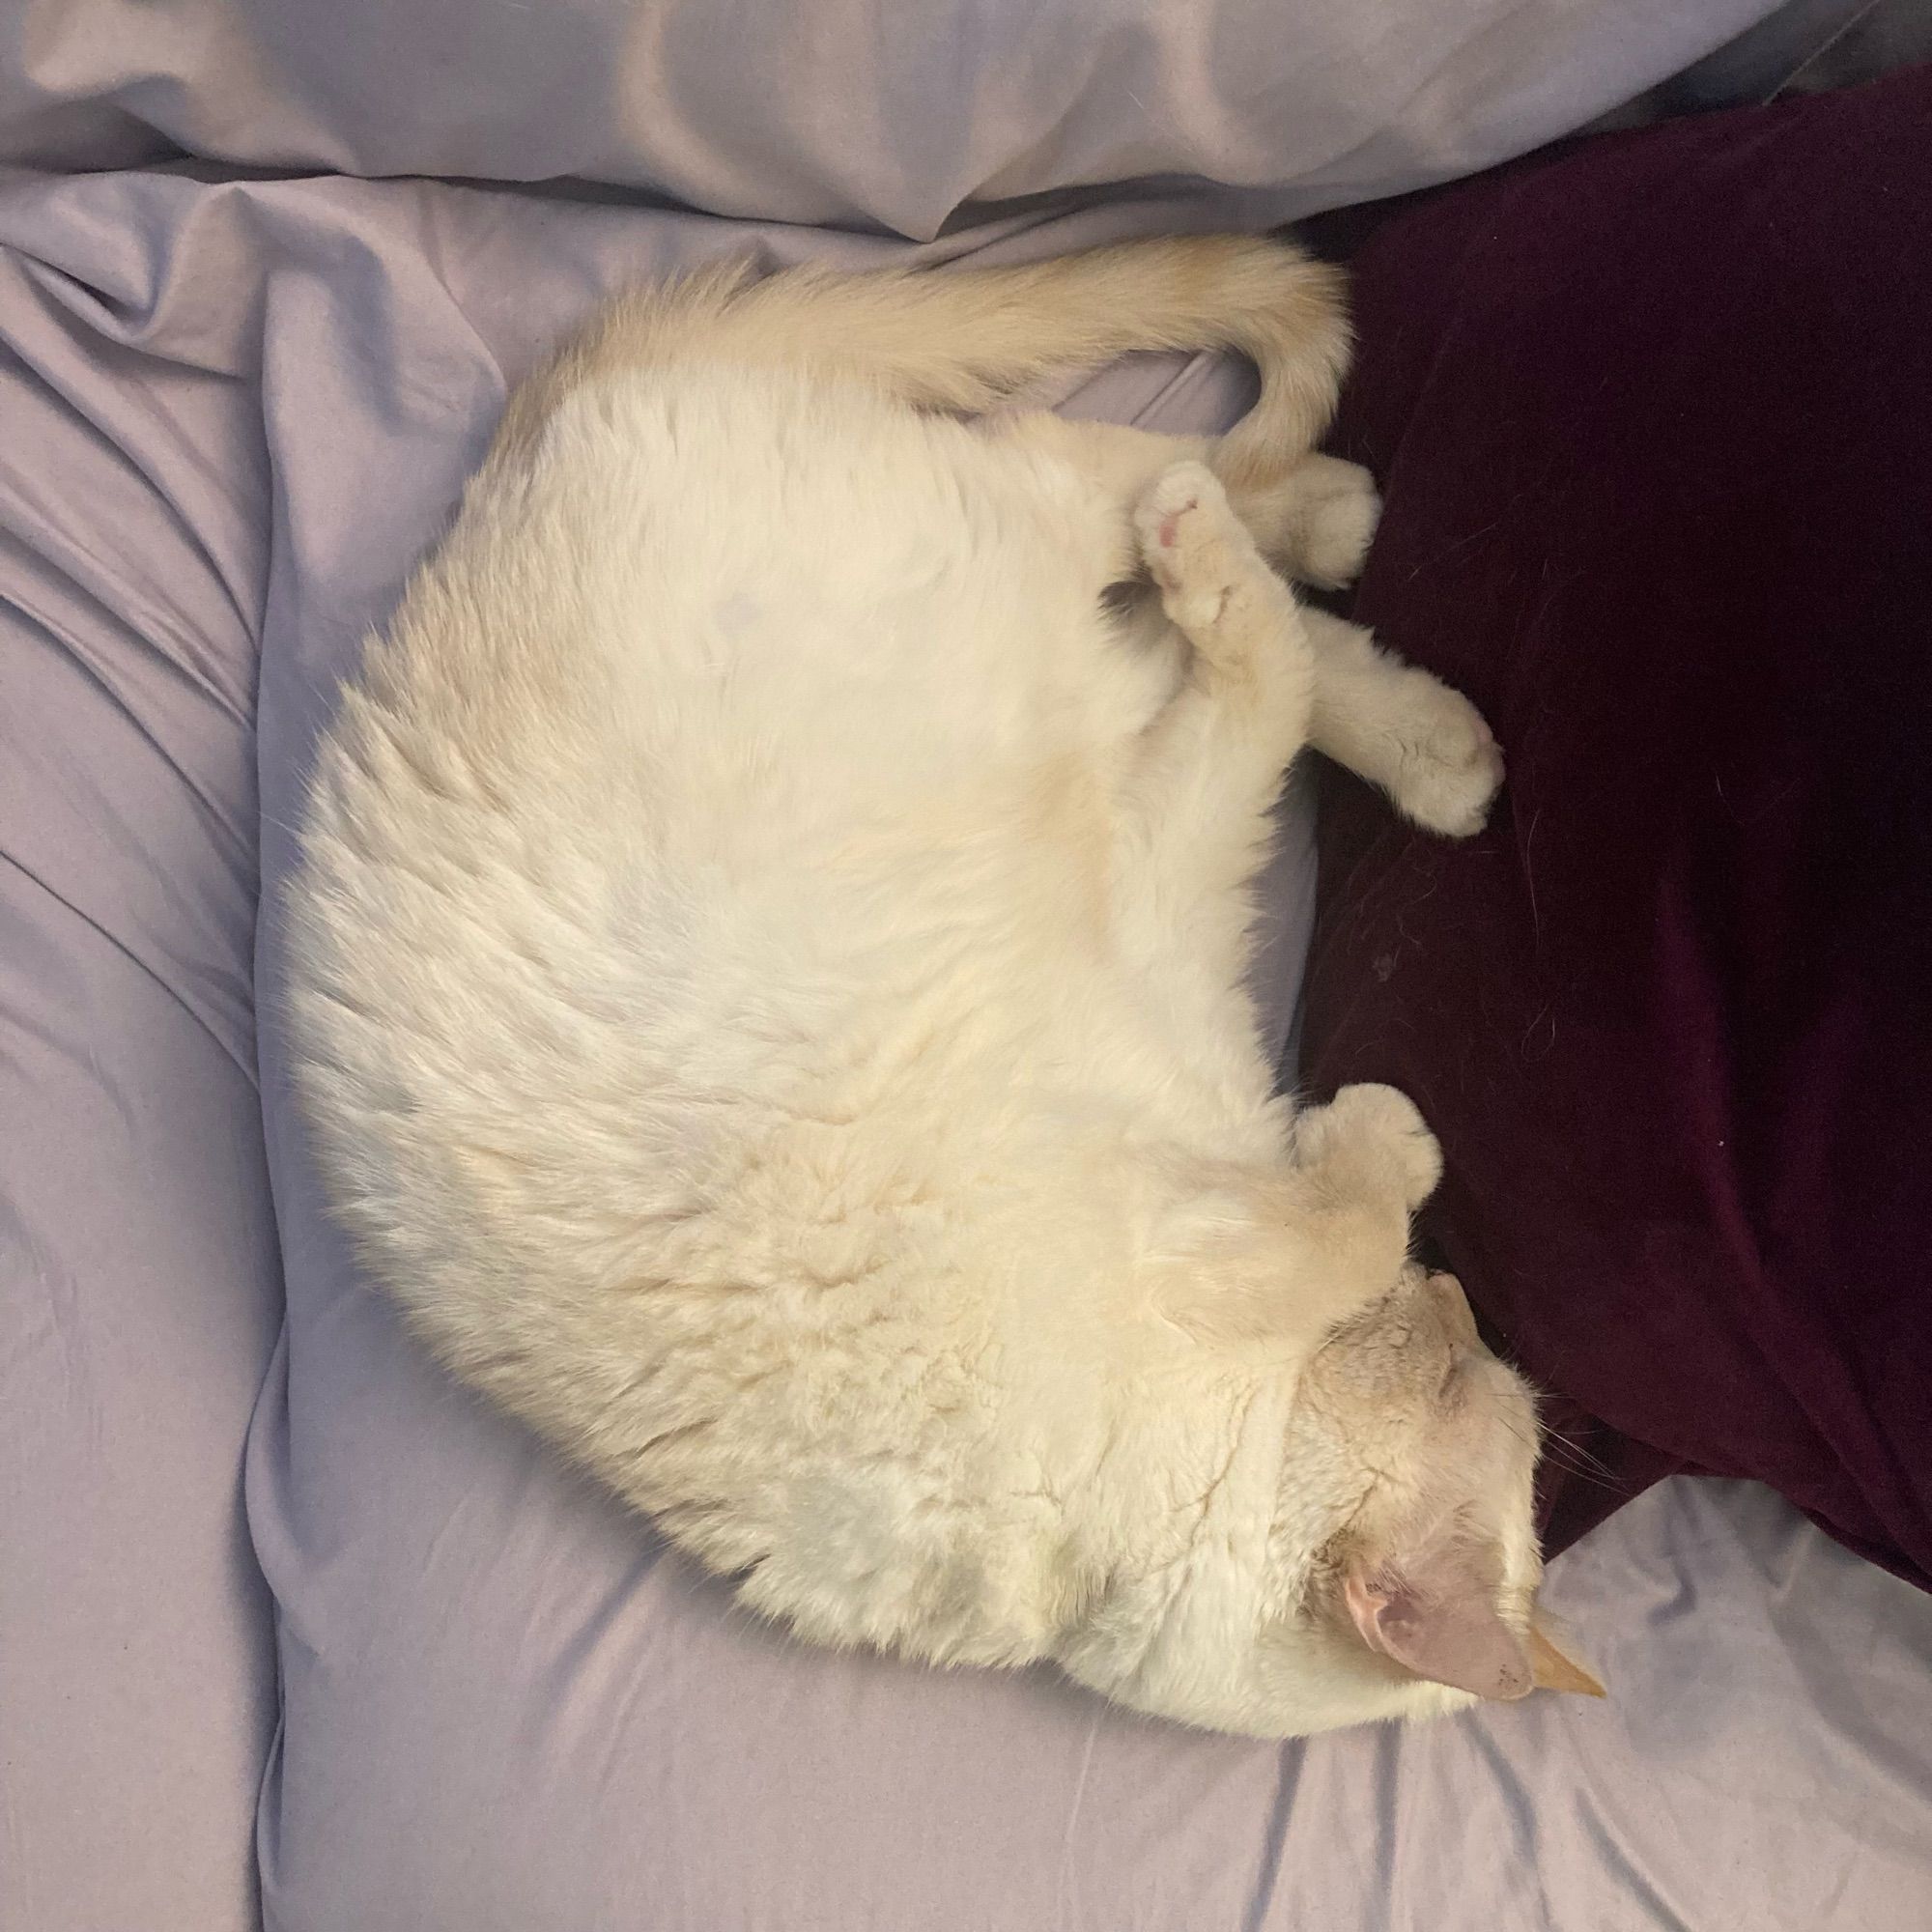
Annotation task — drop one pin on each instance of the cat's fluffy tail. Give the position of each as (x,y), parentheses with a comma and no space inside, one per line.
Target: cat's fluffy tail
(964,341)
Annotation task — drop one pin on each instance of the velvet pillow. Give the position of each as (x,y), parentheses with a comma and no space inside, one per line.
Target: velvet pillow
(1655,423)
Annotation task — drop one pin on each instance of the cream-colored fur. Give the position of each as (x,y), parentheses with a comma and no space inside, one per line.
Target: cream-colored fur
(767,973)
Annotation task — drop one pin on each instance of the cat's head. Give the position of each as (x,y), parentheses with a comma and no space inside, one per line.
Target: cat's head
(1424,1578)
(1397,1575)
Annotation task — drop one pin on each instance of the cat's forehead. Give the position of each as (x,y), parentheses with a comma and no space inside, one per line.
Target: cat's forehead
(1407,1399)
(1384,1350)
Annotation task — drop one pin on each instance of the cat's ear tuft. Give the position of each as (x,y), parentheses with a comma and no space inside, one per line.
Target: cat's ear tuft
(1553,1668)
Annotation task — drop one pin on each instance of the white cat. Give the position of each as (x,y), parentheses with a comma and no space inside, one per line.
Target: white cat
(768,982)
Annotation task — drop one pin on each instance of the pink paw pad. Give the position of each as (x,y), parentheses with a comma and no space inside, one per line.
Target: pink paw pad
(1169,532)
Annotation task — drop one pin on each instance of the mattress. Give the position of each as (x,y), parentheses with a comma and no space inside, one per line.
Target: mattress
(277,1600)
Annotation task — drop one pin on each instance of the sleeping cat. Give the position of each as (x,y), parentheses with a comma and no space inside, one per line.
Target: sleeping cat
(768,978)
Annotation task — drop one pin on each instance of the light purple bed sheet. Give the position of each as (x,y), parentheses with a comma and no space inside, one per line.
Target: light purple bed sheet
(231,416)
(889,114)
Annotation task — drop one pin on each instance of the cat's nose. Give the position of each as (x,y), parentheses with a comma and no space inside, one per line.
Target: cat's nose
(1452,1306)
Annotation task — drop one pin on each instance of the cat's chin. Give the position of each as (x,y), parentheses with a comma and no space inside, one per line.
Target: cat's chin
(1285,1697)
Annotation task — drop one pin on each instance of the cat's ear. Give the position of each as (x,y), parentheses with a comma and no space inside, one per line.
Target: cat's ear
(1435,1613)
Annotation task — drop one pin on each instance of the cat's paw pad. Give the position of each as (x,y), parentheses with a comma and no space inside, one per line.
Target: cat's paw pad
(1192,543)
(1451,767)
(1382,1124)
(1337,508)
(1171,502)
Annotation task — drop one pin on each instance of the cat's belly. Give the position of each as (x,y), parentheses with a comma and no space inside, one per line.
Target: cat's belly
(807,606)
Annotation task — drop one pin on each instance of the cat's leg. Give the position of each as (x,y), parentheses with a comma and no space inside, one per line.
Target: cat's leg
(1404,730)
(1205,772)
(1361,1166)
(1328,1229)
(1314,520)
(1195,790)
(1425,744)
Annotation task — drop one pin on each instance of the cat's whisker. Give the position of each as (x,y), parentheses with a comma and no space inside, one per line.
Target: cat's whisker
(1580,1455)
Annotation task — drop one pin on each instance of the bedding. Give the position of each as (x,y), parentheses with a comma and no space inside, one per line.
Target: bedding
(1662,512)
(140,1285)
(229,416)
(849,114)
(492,1699)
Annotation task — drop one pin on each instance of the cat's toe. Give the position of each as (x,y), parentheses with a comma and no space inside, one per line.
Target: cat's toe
(1168,517)
(1339,508)
(1188,537)
(1381,1124)
(1452,767)
(1394,1121)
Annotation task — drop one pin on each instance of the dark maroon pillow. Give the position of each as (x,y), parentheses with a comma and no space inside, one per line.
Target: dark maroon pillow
(1655,424)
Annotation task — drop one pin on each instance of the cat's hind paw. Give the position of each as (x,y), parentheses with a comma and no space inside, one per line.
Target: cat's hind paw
(1451,766)
(1193,545)
(1335,508)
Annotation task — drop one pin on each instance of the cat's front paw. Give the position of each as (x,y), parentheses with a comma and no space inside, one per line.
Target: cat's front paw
(1380,1126)
(1451,765)
(1194,546)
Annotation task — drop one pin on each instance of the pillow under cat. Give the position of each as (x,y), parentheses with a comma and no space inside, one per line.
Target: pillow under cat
(768,982)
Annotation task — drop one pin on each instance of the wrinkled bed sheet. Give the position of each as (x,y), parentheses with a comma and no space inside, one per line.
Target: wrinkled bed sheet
(466,1691)
(846,112)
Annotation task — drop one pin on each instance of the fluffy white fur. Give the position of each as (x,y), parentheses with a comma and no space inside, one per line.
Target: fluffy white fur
(768,975)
